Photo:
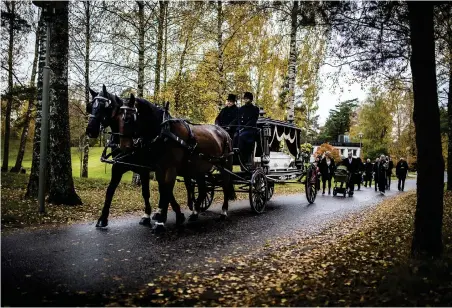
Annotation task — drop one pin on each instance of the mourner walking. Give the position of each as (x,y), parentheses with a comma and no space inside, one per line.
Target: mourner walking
(389,172)
(382,173)
(368,169)
(352,167)
(401,173)
(327,167)
(228,114)
(375,170)
(359,173)
(245,136)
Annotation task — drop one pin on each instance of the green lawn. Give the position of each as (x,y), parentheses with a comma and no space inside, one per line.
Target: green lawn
(96,169)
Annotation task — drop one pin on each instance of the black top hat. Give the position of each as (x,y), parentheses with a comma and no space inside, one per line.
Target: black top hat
(248,95)
(232,98)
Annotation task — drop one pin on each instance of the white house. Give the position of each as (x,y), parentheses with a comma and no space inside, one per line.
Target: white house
(343,145)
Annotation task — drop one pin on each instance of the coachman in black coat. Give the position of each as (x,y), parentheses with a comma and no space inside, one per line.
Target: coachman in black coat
(245,136)
(352,165)
(228,114)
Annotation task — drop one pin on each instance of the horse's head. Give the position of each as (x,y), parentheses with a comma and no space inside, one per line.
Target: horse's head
(138,118)
(127,123)
(101,110)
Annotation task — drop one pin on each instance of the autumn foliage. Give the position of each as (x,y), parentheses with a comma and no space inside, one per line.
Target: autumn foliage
(327,147)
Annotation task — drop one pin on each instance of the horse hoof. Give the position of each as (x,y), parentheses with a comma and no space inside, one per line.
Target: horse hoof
(193,217)
(180,219)
(102,223)
(145,221)
(156,216)
(223,217)
(159,229)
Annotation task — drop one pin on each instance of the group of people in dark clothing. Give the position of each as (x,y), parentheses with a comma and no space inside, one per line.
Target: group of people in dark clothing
(380,172)
(240,123)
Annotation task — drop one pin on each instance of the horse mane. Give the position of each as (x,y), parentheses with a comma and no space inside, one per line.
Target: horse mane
(116,100)
(147,107)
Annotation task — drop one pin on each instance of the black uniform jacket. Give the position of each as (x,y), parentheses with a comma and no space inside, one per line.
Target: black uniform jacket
(325,170)
(352,167)
(390,167)
(227,115)
(368,169)
(247,116)
(402,169)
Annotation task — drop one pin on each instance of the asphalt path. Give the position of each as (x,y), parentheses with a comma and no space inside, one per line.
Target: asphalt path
(79,264)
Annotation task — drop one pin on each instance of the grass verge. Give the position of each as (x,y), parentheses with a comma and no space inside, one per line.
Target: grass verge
(19,212)
(360,261)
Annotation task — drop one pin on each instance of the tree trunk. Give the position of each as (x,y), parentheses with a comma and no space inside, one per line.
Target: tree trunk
(221,82)
(31,100)
(9,103)
(165,50)
(33,182)
(61,190)
(427,240)
(84,173)
(136,177)
(292,63)
(178,89)
(449,120)
(158,64)
(141,49)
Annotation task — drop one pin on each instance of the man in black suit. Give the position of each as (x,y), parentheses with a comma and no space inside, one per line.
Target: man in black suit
(352,167)
(368,168)
(245,136)
(228,114)
(401,172)
(375,171)
(389,172)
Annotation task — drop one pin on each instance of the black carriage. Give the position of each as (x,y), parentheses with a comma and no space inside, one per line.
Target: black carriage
(277,158)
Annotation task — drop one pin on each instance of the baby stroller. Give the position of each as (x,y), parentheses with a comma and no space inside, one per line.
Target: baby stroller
(342,177)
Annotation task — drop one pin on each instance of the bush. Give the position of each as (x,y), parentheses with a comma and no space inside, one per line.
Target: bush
(327,147)
(375,153)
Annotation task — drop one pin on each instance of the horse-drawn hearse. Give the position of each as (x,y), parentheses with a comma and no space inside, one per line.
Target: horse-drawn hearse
(146,138)
(277,159)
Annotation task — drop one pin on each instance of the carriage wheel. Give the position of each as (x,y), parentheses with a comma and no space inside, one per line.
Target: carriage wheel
(270,190)
(205,204)
(258,191)
(310,188)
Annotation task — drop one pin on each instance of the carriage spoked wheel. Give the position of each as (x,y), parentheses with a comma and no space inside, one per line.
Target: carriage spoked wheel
(258,191)
(205,204)
(310,187)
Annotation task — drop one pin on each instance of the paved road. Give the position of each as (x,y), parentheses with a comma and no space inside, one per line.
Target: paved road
(59,265)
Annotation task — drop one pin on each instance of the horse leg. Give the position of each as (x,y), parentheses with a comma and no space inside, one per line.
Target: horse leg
(228,190)
(145,191)
(166,180)
(190,192)
(116,174)
(180,217)
(202,193)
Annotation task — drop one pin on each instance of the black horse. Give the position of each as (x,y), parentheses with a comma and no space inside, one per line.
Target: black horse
(191,151)
(104,110)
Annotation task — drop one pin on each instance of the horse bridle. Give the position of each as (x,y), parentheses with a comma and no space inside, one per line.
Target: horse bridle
(94,103)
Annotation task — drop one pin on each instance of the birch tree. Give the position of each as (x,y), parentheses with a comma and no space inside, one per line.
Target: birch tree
(31,101)
(16,24)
